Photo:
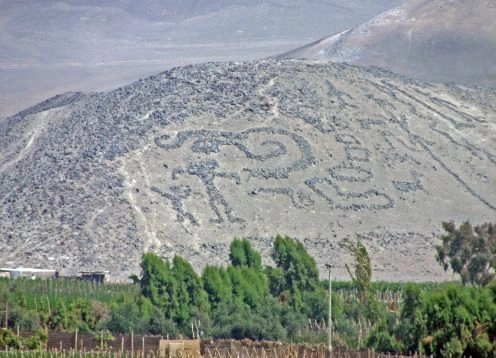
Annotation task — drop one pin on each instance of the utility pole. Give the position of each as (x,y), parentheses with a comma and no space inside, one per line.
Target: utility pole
(6,314)
(329,323)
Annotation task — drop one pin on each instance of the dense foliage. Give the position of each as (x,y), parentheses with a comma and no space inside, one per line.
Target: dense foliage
(247,300)
(9,340)
(469,251)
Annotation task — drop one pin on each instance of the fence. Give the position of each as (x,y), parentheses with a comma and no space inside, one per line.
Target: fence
(131,345)
(157,346)
(249,349)
(90,342)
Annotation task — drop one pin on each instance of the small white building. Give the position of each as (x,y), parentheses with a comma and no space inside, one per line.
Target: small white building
(33,273)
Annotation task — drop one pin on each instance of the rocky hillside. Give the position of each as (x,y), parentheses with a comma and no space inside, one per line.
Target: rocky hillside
(182,162)
(433,40)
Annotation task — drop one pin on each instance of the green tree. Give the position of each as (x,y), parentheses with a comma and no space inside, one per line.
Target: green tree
(381,339)
(276,281)
(237,320)
(189,291)
(469,251)
(131,315)
(160,325)
(368,308)
(242,254)
(299,269)
(158,284)
(24,318)
(63,317)
(217,284)
(248,285)
(458,321)
(361,275)
(175,288)
(411,319)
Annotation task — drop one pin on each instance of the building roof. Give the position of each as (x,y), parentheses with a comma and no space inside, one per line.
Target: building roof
(26,269)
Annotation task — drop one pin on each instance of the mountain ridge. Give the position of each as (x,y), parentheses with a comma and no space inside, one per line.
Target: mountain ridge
(437,41)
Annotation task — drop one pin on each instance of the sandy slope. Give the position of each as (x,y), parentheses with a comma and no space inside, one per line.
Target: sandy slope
(439,40)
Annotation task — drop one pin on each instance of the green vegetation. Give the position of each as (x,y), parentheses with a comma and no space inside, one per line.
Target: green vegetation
(470,252)
(9,340)
(247,300)
(62,305)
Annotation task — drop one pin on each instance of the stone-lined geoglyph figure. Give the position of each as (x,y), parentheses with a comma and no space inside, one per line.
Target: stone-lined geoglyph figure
(262,147)
(182,162)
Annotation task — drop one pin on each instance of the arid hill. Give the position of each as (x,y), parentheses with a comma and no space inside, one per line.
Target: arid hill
(182,162)
(433,40)
(49,47)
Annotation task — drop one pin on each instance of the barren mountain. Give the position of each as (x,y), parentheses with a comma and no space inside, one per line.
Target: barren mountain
(184,161)
(433,40)
(49,47)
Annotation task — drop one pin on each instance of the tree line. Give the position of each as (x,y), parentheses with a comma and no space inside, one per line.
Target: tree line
(289,302)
